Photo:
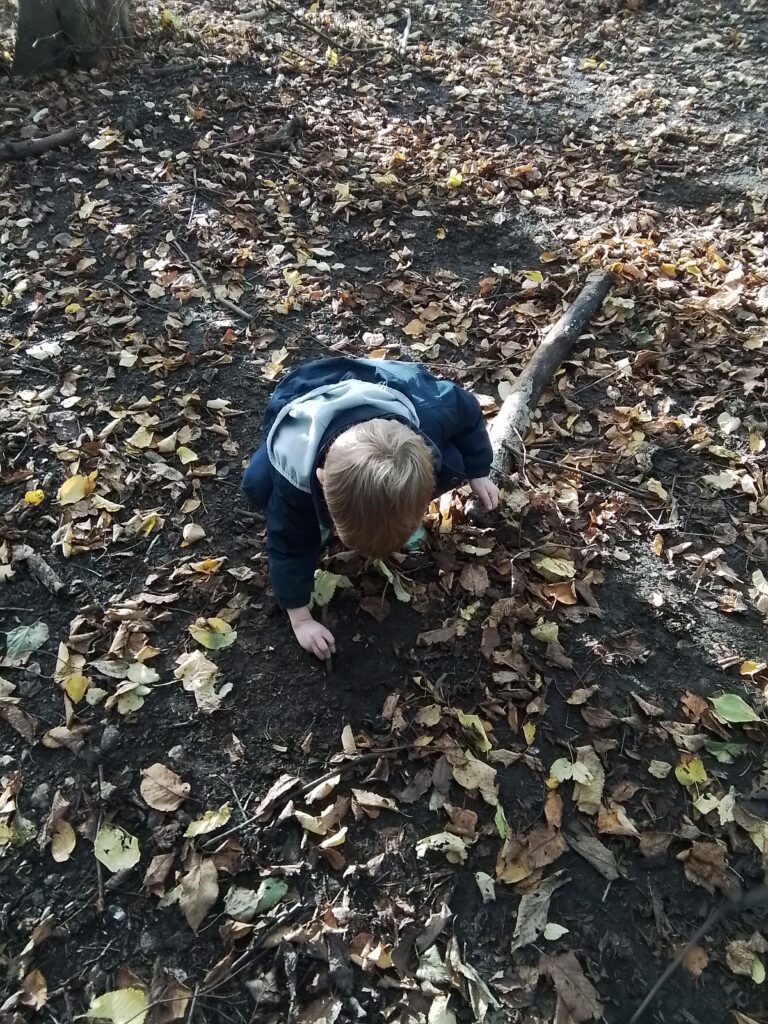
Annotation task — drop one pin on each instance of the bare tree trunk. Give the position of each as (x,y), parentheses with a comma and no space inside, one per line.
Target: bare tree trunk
(65,33)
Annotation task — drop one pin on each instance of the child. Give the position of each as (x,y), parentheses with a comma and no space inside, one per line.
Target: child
(362,445)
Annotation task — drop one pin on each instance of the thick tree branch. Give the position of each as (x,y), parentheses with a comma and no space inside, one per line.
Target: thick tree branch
(25,149)
(511,424)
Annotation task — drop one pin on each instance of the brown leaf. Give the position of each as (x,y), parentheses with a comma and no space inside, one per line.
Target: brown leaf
(533,910)
(553,809)
(654,844)
(694,961)
(652,710)
(598,718)
(463,821)
(437,636)
(573,988)
(199,890)
(562,593)
(274,794)
(24,724)
(157,872)
(162,788)
(595,853)
(705,865)
(545,845)
(378,607)
(474,579)
(614,821)
(512,861)
(588,795)
(35,990)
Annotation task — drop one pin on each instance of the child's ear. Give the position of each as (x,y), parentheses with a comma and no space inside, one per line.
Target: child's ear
(320,475)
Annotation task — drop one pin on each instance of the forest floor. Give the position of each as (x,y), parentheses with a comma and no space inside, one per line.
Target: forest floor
(542,746)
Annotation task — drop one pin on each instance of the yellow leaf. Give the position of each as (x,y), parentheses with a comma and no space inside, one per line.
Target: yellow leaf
(73,307)
(534,275)
(529,731)
(750,668)
(213,633)
(756,443)
(123,1006)
(657,545)
(479,736)
(34,497)
(207,566)
(454,178)
(75,686)
(169,20)
(76,488)
(332,57)
(141,438)
(209,822)
(293,278)
(690,772)
(440,233)
(186,455)
(115,848)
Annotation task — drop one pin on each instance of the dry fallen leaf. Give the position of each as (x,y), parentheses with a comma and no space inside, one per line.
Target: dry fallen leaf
(199,890)
(162,788)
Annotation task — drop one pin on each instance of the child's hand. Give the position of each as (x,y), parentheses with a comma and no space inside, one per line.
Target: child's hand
(487,492)
(311,634)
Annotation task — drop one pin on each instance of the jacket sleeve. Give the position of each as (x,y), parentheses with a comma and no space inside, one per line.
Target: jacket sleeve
(468,433)
(293,545)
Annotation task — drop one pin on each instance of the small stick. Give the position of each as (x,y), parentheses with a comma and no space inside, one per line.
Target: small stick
(196,270)
(99,869)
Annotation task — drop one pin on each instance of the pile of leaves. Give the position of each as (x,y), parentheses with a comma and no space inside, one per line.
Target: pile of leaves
(538,760)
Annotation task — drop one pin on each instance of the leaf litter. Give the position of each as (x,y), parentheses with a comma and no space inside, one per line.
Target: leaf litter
(621,572)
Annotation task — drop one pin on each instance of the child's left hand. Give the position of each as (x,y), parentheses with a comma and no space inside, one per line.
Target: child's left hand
(487,492)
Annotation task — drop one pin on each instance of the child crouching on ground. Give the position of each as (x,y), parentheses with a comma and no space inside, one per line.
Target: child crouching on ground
(360,445)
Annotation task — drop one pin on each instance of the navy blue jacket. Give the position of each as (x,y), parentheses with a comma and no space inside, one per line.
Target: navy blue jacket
(450,421)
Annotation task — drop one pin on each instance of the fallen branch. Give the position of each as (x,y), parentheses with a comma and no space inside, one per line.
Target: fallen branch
(511,424)
(25,149)
(39,568)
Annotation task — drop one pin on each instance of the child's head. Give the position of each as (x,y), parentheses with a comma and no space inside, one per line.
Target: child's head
(378,480)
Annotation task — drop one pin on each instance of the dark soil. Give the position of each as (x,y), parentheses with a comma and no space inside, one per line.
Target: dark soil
(634,170)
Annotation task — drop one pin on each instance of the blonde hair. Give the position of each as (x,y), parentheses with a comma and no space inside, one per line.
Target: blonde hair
(378,480)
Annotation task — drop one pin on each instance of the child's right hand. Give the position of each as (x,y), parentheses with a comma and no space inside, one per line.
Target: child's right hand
(311,634)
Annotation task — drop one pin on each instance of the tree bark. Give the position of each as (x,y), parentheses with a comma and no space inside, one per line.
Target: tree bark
(28,148)
(511,424)
(65,33)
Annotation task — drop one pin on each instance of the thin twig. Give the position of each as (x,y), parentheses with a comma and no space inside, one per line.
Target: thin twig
(99,869)
(196,270)
(309,786)
(612,481)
